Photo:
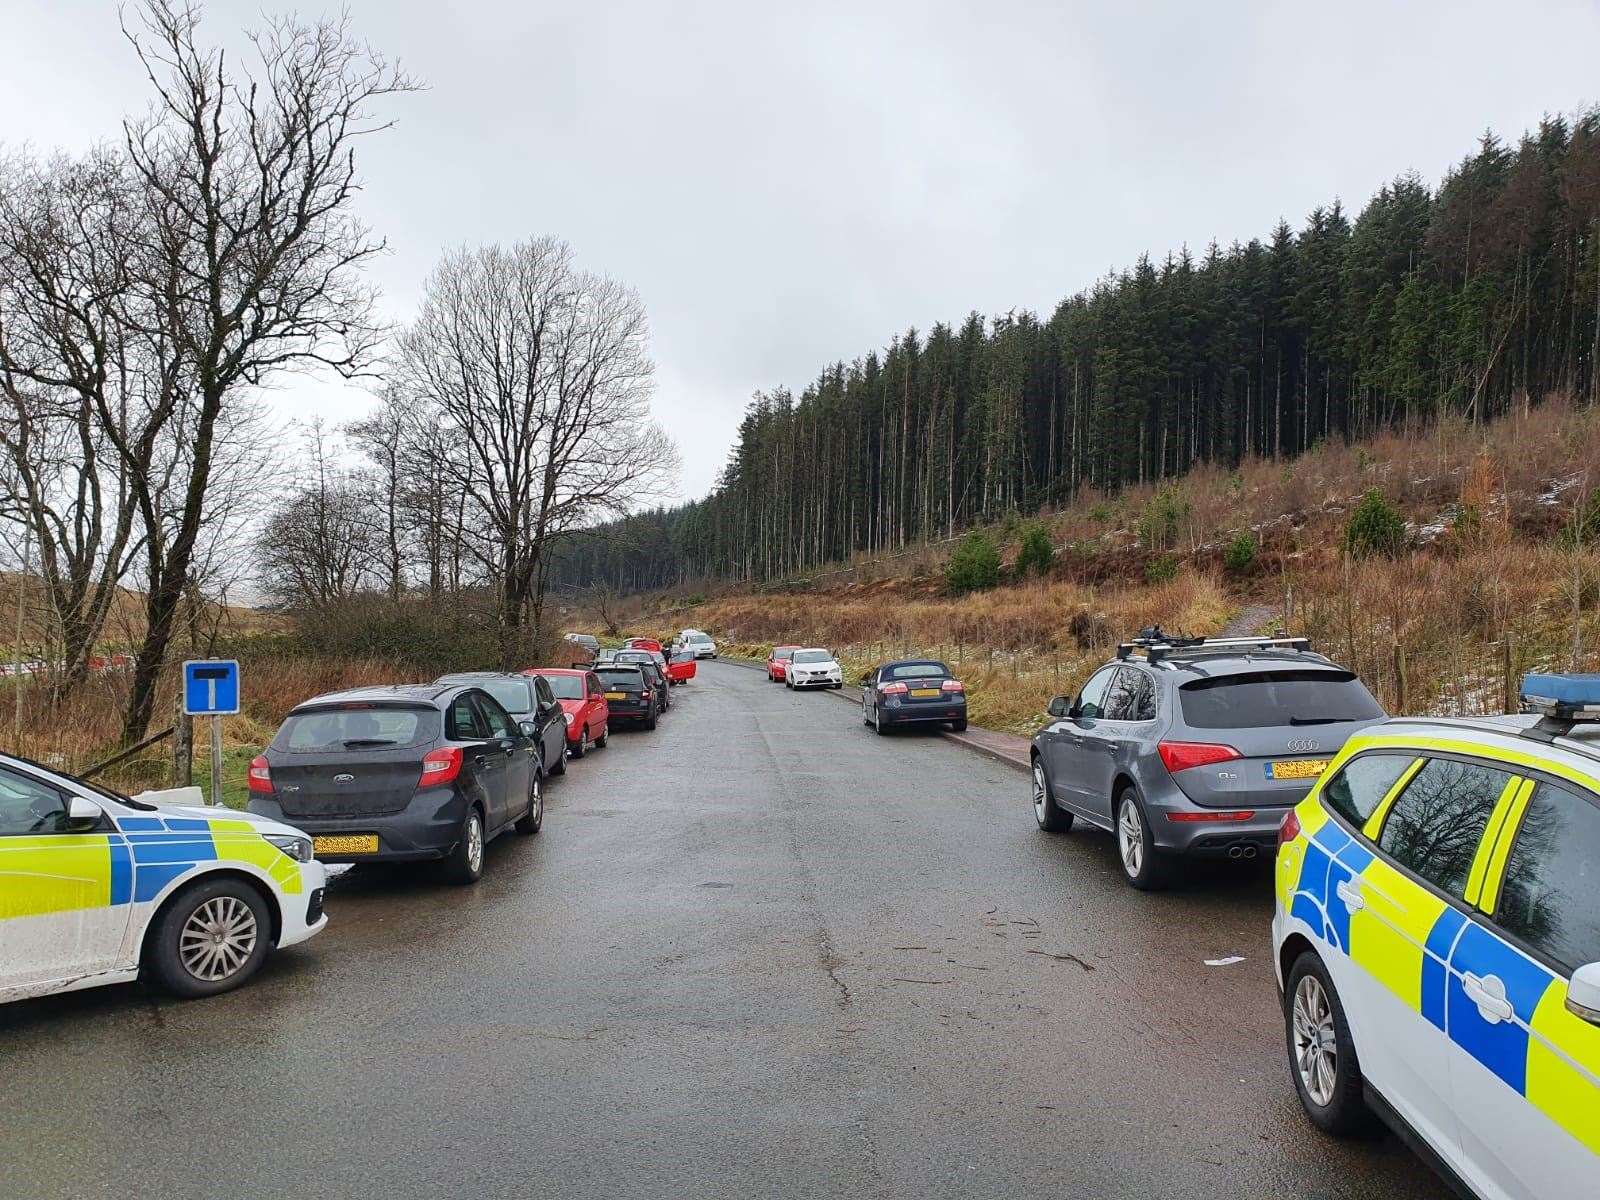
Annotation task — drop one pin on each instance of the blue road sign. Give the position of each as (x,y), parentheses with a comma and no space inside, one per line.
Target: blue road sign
(210,687)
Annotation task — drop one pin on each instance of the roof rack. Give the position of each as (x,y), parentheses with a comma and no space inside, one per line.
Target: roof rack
(1156,645)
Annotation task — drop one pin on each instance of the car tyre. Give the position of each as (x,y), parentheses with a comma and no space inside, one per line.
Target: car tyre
(210,937)
(1052,818)
(1322,1056)
(1142,866)
(605,736)
(465,863)
(878,726)
(582,747)
(650,721)
(533,820)
(959,726)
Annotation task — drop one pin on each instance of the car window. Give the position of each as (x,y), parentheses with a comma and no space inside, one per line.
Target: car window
(546,694)
(1362,783)
(593,681)
(29,805)
(465,723)
(1264,699)
(355,727)
(811,656)
(1091,701)
(783,654)
(513,695)
(629,677)
(1435,824)
(917,670)
(1131,697)
(495,718)
(1550,892)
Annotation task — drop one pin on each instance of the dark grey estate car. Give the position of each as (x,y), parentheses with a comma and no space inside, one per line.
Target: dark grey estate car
(1194,746)
(404,773)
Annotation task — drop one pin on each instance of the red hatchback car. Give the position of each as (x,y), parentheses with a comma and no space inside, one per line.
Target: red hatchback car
(778,662)
(584,701)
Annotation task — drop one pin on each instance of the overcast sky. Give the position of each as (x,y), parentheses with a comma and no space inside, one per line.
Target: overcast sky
(791,184)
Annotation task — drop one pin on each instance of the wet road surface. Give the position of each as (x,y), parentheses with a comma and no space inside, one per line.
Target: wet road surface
(758,952)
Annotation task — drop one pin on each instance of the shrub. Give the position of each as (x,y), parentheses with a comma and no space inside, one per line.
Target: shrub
(1583,526)
(1375,527)
(1037,552)
(1163,568)
(1008,524)
(974,565)
(1240,555)
(1162,519)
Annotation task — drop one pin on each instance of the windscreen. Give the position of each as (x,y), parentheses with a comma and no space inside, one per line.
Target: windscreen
(357,727)
(627,677)
(783,653)
(566,687)
(919,670)
(1263,699)
(805,656)
(514,695)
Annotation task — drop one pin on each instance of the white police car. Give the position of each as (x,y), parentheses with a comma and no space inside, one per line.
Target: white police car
(1437,931)
(95,888)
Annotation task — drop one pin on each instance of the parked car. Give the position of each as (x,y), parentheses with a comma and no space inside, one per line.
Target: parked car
(629,693)
(1194,746)
(526,699)
(778,662)
(700,643)
(643,643)
(581,697)
(585,641)
(1437,938)
(405,773)
(681,666)
(96,888)
(913,691)
(814,667)
(655,665)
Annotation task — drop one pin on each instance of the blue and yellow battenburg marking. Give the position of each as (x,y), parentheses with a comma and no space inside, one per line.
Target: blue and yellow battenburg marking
(1419,947)
(61,872)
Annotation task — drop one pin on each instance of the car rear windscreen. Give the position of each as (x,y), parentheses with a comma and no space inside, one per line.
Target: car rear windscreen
(566,687)
(620,677)
(1263,699)
(922,670)
(357,727)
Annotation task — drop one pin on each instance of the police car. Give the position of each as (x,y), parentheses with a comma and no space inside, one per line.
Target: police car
(96,887)
(1437,930)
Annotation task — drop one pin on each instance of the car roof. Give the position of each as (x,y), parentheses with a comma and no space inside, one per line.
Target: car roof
(470,676)
(1578,748)
(1218,663)
(413,693)
(555,671)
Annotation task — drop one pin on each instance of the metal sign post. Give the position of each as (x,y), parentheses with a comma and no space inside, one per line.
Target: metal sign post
(211,689)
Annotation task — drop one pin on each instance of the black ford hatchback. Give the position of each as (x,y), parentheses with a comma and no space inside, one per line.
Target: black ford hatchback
(402,774)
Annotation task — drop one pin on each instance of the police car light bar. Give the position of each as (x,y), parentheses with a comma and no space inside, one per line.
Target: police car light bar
(1562,700)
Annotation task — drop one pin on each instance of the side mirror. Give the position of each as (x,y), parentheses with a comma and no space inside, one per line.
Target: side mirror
(1060,708)
(82,814)
(528,728)
(1583,994)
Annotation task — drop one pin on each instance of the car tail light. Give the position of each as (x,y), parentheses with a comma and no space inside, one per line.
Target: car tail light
(260,777)
(1290,829)
(440,766)
(1181,756)
(1201,818)
(894,689)
(953,685)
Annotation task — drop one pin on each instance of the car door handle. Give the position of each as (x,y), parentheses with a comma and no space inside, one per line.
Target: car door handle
(1489,994)
(1347,891)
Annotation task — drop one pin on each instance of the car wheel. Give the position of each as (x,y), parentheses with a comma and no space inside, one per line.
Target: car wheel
(1322,1057)
(878,726)
(650,723)
(605,736)
(582,747)
(866,719)
(533,820)
(1052,817)
(210,937)
(959,726)
(1142,866)
(465,864)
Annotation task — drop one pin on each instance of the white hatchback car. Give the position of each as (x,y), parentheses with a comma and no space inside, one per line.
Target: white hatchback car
(97,888)
(814,667)
(697,643)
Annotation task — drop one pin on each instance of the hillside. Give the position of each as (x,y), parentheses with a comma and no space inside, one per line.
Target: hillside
(1498,573)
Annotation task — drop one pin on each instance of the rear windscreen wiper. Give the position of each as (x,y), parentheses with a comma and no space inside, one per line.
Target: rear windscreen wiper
(352,743)
(1320,720)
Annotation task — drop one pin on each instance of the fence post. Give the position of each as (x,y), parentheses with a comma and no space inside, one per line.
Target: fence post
(1400,679)
(182,746)
(1508,674)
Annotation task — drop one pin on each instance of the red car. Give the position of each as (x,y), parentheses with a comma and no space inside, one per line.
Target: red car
(584,701)
(640,643)
(778,662)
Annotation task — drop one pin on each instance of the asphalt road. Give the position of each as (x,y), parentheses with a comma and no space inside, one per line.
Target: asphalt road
(759,952)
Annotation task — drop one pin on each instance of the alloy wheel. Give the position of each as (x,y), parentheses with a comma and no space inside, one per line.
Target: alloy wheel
(218,938)
(1130,837)
(1316,1042)
(474,843)
(1041,795)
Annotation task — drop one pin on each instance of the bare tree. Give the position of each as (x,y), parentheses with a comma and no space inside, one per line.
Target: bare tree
(381,437)
(540,375)
(250,256)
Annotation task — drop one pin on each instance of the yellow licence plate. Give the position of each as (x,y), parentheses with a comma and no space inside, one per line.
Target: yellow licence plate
(345,843)
(616,695)
(924,693)
(1299,768)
